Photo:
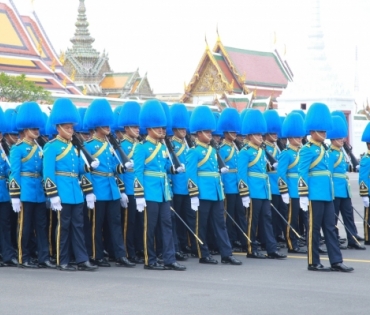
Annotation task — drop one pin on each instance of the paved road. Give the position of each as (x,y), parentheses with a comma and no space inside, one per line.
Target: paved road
(256,287)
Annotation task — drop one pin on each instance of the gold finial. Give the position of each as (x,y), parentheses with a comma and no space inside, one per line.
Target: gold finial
(218,35)
(84,91)
(73,74)
(39,46)
(242,78)
(255,93)
(205,38)
(64,82)
(230,87)
(185,87)
(52,67)
(62,57)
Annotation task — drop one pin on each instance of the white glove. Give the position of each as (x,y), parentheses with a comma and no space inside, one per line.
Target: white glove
(140,204)
(124,200)
(194,203)
(357,168)
(365,200)
(246,201)
(16,203)
(286,198)
(181,169)
(224,170)
(90,200)
(303,203)
(129,165)
(55,203)
(275,165)
(95,163)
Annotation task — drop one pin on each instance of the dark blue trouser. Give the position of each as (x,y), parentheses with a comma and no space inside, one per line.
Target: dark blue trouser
(344,206)
(32,216)
(111,209)
(293,214)
(234,207)
(366,225)
(7,249)
(182,205)
(321,215)
(131,216)
(87,213)
(158,214)
(278,224)
(212,212)
(70,232)
(260,210)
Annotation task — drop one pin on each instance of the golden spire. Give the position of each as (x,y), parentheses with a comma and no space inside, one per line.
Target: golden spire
(62,57)
(52,67)
(64,82)
(205,38)
(39,46)
(84,91)
(73,74)
(218,35)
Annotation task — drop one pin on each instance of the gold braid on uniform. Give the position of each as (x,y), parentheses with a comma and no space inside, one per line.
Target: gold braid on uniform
(86,185)
(193,189)
(283,187)
(121,185)
(138,189)
(243,189)
(14,189)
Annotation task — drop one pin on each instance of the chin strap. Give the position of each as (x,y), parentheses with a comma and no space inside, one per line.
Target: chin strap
(320,136)
(160,136)
(70,134)
(257,140)
(209,138)
(34,136)
(134,132)
(231,136)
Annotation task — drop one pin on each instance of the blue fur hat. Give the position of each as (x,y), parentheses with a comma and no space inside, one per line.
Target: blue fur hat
(201,119)
(116,115)
(217,132)
(300,112)
(152,115)
(229,121)
(179,116)
(129,116)
(318,118)
(339,130)
(272,121)
(242,115)
(2,121)
(64,112)
(340,114)
(10,117)
(50,129)
(169,131)
(253,123)
(293,126)
(99,114)
(80,126)
(29,115)
(45,118)
(190,112)
(280,134)
(366,134)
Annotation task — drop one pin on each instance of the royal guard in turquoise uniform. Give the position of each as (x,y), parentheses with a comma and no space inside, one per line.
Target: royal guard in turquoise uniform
(26,189)
(230,125)
(109,196)
(7,250)
(63,167)
(316,191)
(254,187)
(181,198)
(293,130)
(364,182)
(273,123)
(151,187)
(133,220)
(205,188)
(342,190)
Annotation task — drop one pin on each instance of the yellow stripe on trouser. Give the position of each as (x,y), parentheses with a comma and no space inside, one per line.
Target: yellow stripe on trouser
(20,232)
(145,237)
(366,228)
(58,238)
(93,233)
(289,241)
(250,227)
(310,232)
(197,232)
(50,230)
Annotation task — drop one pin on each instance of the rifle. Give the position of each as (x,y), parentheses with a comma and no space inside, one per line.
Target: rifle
(189,141)
(239,144)
(352,159)
(116,146)
(280,145)
(4,149)
(220,161)
(174,160)
(41,141)
(78,143)
(304,140)
(270,159)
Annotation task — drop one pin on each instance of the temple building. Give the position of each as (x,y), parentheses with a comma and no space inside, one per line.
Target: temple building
(26,49)
(92,72)
(239,78)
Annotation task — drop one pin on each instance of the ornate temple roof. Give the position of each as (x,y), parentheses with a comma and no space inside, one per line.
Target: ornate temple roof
(26,49)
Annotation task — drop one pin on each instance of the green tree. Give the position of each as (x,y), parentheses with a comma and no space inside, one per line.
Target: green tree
(18,89)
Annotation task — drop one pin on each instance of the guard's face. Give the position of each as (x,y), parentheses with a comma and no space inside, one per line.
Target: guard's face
(32,133)
(132,131)
(65,131)
(256,139)
(296,141)
(338,142)
(105,130)
(180,133)
(204,136)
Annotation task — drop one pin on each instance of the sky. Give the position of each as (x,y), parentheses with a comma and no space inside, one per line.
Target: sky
(166,38)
